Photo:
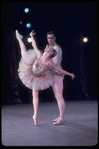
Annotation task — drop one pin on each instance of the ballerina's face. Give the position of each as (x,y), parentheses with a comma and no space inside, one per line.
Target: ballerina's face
(48,51)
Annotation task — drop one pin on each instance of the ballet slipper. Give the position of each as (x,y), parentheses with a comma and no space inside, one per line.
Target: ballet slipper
(59,122)
(35,120)
(18,35)
(55,119)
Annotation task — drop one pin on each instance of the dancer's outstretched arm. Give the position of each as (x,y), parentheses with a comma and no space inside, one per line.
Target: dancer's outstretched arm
(62,71)
(39,54)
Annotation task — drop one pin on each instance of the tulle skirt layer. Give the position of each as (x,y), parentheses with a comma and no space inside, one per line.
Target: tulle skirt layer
(25,73)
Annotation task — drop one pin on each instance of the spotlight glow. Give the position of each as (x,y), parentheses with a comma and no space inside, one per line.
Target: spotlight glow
(85,39)
(29,40)
(28,25)
(20,22)
(26,10)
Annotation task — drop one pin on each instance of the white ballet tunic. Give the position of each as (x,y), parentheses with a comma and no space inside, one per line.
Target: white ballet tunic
(33,73)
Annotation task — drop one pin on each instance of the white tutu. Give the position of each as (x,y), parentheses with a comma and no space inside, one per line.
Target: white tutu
(26,75)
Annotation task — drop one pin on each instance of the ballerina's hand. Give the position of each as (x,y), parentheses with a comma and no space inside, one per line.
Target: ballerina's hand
(73,76)
(32,33)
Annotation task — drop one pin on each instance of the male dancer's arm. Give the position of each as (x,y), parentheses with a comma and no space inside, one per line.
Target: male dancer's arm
(58,58)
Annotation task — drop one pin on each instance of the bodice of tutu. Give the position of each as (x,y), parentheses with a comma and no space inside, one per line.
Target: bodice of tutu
(39,68)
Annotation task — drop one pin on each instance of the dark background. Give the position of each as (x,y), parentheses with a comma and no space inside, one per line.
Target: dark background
(71,21)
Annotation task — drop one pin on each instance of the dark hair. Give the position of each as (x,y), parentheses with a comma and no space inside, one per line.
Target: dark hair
(54,53)
(51,32)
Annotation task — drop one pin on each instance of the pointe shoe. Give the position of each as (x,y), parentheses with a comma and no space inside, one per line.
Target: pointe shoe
(56,119)
(59,122)
(35,121)
(18,35)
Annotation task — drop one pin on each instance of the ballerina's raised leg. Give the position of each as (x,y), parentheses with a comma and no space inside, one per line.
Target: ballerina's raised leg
(22,45)
(35,93)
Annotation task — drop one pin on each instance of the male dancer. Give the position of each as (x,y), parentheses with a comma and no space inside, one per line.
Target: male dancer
(58,78)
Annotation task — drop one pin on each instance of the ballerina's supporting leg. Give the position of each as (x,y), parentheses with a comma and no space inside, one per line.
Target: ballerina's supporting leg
(22,45)
(35,106)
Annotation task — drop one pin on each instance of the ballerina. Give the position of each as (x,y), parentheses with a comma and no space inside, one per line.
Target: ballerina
(35,69)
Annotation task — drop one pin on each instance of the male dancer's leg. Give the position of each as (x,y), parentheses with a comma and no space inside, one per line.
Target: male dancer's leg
(58,91)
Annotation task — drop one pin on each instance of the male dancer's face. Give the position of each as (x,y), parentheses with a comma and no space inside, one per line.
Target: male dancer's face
(51,39)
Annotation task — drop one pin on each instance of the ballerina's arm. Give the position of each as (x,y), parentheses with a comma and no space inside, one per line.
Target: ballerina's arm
(62,71)
(39,54)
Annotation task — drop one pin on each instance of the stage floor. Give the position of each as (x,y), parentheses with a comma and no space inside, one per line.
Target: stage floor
(80,129)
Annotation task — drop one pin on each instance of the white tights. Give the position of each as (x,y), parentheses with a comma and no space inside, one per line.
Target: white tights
(35,102)
(58,90)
